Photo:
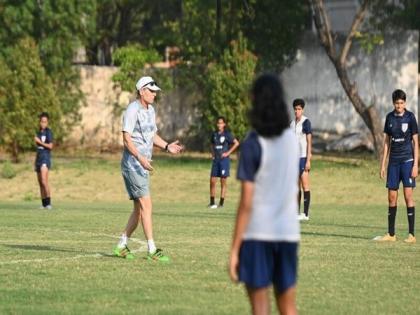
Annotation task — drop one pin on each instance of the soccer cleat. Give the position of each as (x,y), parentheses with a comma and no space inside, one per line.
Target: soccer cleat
(49,207)
(212,206)
(220,206)
(411,239)
(123,252)
(158,256)
(385,238)
(303,217)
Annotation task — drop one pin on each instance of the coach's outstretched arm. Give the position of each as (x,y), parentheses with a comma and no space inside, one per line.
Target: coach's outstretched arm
(173,147)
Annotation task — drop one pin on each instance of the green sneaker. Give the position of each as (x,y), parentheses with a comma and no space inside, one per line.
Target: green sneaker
(158,256)
(123,252)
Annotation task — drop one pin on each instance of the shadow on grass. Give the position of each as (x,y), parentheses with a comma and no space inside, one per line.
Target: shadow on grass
(336,235)
(356,226)
(207,215)
(55,249)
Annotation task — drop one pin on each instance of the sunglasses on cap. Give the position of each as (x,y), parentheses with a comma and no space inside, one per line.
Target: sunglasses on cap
(153,83)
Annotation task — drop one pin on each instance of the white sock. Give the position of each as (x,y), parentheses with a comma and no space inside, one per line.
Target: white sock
(123,241)
(151,245)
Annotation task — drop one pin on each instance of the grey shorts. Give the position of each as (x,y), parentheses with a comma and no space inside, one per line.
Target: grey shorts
(136,184)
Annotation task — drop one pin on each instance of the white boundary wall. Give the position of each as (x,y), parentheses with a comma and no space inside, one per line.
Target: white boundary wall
(313,78)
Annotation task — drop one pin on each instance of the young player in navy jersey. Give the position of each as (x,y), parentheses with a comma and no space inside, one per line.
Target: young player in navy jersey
(44,142)
(303,130)
(401,144)
(266,235)
(223,144)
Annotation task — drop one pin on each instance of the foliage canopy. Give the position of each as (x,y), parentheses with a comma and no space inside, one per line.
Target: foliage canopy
(25,92)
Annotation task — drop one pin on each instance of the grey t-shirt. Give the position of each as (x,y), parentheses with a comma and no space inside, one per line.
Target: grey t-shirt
(140,123)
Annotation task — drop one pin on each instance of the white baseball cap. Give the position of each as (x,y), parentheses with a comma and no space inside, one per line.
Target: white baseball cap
(147,82)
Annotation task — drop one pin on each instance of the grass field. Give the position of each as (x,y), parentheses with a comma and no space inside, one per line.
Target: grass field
(59,262)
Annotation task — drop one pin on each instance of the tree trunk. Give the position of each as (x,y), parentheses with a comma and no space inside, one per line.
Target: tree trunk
(15,151)
(218,26)
(369,114)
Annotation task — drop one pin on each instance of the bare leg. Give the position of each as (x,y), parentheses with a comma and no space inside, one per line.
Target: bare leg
(299,195)
(286,301)
(408,196)
(44,182)
(41,187)
(133,221)
(392,197)
(142,211)
(260,301)
(213,186)
(146,216)
(304,180)
(223,184)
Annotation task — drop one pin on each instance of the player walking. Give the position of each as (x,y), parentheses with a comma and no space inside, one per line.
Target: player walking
(139,136)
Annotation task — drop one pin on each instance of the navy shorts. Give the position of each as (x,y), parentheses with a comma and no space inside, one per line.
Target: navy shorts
(302,163)
(39,162)
(264,263)
(220,168)
(400,172)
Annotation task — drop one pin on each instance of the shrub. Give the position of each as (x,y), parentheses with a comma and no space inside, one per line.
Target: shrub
(7,170)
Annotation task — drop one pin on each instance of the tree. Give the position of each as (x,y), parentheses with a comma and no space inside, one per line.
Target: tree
(25,92)
(226,93)
(132,60)
(266,35)
(126,22)
(395,15)
(338,57)
(59,28)
(272,28)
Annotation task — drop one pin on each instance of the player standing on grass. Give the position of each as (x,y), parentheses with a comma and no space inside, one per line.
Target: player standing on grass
(266,235)
(223,144)
(303,130)
(44,143)
(401,144)
(139,136)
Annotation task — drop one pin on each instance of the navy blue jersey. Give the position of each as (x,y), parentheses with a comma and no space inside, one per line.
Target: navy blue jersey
(250,158)
(221,142)
(307,127)
(46,136)
(400,130)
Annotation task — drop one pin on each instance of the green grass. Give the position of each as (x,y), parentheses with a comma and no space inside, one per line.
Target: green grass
(59,262)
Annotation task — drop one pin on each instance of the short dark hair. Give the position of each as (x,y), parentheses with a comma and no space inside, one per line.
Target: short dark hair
(299,102)
(44,114)
(222,118)
(268,115)
(398,95)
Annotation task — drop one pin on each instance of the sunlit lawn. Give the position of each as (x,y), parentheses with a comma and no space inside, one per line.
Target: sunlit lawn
(59,262)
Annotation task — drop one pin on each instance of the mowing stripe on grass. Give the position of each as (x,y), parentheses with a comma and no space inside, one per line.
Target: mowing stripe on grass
(143,247)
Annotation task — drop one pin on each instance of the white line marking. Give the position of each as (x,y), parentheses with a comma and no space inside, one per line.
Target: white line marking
(142,248)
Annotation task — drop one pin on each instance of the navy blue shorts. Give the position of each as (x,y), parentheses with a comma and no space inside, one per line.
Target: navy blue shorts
(302,163)
(264,263)
(400,172)
(220,168)
(39,162)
